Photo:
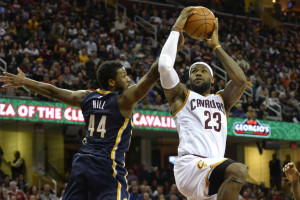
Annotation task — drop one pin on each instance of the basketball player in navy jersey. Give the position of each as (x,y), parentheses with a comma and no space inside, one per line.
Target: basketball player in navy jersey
(98,170)
(202,172)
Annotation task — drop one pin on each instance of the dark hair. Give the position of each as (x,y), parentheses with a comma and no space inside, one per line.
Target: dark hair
(106,71)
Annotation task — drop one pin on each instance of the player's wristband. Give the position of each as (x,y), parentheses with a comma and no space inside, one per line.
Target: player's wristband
(218,46)
(177,28)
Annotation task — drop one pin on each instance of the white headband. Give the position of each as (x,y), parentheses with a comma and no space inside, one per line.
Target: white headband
(201,63)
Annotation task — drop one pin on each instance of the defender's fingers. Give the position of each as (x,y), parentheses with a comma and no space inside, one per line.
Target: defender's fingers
(19,70)
(8,74)
(5,78)
(9,85)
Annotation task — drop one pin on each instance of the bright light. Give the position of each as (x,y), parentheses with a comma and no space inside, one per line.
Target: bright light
(172,159)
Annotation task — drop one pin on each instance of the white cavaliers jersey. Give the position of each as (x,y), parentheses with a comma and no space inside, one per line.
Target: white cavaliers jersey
(202,125)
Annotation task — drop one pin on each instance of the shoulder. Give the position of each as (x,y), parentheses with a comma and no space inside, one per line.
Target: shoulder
(220,95)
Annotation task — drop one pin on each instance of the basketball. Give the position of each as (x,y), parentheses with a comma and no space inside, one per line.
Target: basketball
(200,25)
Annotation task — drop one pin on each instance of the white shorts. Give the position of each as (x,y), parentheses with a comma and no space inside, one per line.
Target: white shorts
(192,176)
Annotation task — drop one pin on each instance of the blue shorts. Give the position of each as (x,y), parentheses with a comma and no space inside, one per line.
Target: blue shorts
(92,178)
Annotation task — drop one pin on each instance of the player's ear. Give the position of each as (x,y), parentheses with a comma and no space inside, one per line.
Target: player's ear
(111,82)
(212,80)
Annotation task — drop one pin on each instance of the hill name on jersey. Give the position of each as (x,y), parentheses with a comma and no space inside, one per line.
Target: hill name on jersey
(98,104)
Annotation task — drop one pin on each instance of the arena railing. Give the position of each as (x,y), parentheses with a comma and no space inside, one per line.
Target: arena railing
(221,73)
(148,26)
(3,65)
(276,110)
(122,7)
(41,176)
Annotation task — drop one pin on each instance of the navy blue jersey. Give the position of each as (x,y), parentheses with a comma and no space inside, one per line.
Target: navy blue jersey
(108,133)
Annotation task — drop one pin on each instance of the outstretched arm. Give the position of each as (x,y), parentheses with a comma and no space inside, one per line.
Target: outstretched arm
(236,86)
(72,98)
(293,176)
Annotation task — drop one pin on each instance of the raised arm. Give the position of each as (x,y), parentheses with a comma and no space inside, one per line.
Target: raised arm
(293,176)
(69,97)
(139,90)
(175,91)
(236,86)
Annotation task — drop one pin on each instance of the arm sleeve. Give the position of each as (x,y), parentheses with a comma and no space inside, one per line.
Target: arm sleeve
(168,76)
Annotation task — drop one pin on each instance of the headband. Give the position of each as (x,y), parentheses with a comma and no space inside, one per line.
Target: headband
(201,63)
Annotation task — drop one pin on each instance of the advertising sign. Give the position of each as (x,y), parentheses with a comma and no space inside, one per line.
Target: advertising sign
(56,112)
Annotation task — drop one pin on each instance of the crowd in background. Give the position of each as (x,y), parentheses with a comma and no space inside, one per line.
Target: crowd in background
(154,184)
(63,42)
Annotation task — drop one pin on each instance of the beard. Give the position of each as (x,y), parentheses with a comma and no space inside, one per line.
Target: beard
(119,88)
(200,88)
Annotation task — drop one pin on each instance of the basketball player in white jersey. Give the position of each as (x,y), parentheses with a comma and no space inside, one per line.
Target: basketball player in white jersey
(201,171)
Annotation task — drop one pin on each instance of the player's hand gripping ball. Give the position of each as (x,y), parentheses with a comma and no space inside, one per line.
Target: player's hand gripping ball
(200,25)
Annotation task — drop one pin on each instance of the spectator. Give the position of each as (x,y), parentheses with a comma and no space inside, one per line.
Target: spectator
(158,192)
(124,61)
(21,183)
(287,111)
(274,102)
(83,56)
(262,113)
(262,93)
(13,60)
(293,102)
(134,195)
(33,23)
(249,102)
(146,196)
(33,191)
(271,56)
(24,34)
(275,172)
(239,112)
(14,191)
(78,42)
(173,192)
(159,105)
(47,193)
(6,181)
(251,114)
(3,191)
(242,62)
(31,50)
(56,32)
(76,84)
(91,45)
(277,9)
(17,165)
(67,77)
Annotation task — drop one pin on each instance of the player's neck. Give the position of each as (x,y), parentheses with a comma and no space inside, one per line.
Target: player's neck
(203,93)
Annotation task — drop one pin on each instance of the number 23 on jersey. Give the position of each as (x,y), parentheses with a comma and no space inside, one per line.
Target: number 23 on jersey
(100,128)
